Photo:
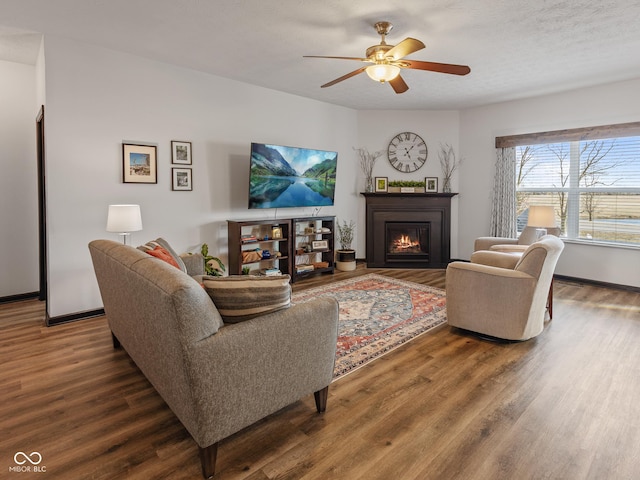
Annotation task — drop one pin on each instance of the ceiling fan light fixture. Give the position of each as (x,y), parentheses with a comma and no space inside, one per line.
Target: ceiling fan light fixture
(382,72)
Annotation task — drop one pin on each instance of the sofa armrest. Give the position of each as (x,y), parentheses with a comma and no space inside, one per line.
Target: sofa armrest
(194,263)
(485,243)
(251,369)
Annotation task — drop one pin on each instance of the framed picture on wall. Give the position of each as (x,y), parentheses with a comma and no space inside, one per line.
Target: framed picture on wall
(139,164)
(180,152)
(381,184)
(181,179)
(431,184)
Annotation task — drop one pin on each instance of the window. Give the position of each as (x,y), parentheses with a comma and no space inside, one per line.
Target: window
(592,181)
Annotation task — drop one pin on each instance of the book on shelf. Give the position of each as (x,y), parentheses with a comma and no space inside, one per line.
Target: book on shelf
(270,272)
(248,238)
(304,267)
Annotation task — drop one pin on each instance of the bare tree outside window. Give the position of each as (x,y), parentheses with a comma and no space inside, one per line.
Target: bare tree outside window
(595,171)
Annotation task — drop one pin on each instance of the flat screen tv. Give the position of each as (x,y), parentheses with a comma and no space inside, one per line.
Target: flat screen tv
(283,177)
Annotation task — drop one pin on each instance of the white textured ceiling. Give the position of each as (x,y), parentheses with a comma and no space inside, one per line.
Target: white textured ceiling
(515,48)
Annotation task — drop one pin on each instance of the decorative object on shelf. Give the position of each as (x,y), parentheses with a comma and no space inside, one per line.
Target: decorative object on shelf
(124,219)
(251,256)
(246,270)
(181,179)
(382,184)
(212,265)
(367,161)
(139,163)
(346,257)
(431,184)
(449,163)
(406,186)
(319,245)
(180,152)
(276,233)
(266,254)
(407,152)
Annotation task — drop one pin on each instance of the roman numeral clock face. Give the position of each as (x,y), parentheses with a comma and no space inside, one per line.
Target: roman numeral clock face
(407,152)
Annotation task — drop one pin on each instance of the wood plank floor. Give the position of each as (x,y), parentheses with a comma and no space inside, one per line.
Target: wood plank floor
(447,405)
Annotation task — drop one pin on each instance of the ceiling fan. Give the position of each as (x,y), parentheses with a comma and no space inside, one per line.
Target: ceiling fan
(387,61)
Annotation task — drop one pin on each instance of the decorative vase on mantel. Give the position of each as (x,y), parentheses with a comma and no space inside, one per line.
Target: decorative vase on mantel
(368,184)
(446,185)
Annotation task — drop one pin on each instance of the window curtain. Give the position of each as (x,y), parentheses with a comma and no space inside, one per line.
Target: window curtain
(503,210)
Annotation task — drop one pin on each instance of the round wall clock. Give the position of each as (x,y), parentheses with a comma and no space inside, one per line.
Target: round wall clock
(407,152)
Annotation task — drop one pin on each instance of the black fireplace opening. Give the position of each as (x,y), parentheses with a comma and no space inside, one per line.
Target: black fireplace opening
(407,241)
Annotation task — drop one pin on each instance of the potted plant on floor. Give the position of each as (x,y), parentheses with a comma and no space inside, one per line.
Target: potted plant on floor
(346,256)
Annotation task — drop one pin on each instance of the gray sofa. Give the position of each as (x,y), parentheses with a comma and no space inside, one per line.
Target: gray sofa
(217,378)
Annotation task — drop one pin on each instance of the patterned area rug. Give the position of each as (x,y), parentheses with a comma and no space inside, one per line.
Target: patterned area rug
(377,315)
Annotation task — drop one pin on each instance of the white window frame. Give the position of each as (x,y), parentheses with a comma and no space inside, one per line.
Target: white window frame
(573,189)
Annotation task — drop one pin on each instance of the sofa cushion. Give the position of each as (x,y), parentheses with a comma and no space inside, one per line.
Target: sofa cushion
(151,246)
(243,297)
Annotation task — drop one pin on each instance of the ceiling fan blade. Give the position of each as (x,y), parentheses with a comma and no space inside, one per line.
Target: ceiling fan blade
(338,58)
(399,85)
(344,77)
(436,67)
(404,48)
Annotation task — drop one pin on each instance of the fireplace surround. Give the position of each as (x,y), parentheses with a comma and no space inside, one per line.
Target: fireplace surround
(408,230)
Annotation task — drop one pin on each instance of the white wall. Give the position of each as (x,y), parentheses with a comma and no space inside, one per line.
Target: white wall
(608,104)
(97,98)
(18,181)
(376,128)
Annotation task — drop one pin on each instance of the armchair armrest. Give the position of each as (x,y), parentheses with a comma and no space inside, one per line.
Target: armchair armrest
(495,259)
(485,243)
(251,369)
(508,248)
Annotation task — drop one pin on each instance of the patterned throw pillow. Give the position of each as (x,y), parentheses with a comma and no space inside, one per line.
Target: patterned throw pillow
(163,254)
(152,245)
(242,297)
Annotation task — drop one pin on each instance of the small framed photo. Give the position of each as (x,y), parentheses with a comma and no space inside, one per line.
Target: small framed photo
(276,233)
(431,184)
(320,245)
(181,179)
(382,184)
(139,164)
(180,152)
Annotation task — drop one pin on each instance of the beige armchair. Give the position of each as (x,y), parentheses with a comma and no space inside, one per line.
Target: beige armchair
(501,294)
(506,244)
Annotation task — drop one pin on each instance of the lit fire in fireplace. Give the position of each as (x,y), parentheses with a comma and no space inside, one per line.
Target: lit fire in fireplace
(405,244)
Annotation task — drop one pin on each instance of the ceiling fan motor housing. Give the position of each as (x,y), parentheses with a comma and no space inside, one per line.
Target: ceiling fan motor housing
(377,53)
